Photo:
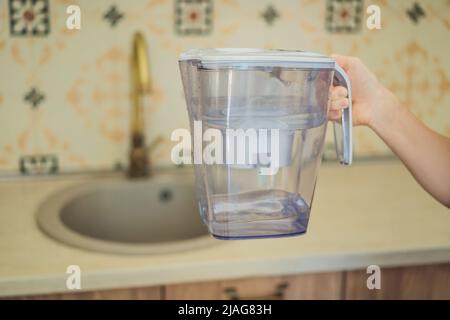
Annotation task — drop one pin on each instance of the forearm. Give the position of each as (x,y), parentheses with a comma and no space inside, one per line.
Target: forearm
(425,153)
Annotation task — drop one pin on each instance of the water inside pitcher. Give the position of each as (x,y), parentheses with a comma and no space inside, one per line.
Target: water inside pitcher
(259,91)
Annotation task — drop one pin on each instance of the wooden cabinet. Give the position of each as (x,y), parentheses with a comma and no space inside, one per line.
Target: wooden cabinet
(197,291)
(305,286)
(419,282)
(146,293)
(316,286)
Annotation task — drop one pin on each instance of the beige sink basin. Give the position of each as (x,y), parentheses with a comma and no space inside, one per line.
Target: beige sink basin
(151,216)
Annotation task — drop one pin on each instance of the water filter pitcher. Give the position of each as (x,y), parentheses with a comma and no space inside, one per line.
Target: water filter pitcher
(262,118)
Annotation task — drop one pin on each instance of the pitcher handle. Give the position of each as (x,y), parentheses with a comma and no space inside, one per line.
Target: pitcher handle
(344,144)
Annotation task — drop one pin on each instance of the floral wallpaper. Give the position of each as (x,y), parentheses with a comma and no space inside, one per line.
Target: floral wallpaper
(64,94)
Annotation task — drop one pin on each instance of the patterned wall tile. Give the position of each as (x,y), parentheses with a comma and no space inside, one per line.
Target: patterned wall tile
(38,164)
(344,16)
(81,78)
(34,97)
(428,34)
(29,17)
(113,16)
(415,13)
(193,17)
(270,14)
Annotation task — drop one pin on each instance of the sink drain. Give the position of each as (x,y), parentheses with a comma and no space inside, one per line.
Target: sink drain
(165,195)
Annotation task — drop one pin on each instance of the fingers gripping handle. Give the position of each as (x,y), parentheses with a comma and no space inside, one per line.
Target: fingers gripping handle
(343,132)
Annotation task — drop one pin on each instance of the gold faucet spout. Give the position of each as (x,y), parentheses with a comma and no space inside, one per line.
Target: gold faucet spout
(140,89)
(139,60)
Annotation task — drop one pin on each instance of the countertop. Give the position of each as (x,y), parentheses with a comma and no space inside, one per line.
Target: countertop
(368,213)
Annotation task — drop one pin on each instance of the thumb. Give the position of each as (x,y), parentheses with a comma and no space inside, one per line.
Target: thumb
(342,61)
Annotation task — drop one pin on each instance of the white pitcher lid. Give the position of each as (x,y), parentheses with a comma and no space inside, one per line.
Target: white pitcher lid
(253,56)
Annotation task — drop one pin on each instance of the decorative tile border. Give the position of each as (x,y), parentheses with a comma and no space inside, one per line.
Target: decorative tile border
(34,97)
(270,14)
(113,16)
(29,18)
(344,16)
(38,164)
(193,17)
(415,13)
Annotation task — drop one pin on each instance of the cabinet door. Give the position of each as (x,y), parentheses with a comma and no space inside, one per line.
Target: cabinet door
(261,288)
(196,291)
(324,286)
(250,288)
(420,282)
(308,286)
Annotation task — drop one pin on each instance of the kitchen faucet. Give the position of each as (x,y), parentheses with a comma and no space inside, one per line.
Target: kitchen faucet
(140,88)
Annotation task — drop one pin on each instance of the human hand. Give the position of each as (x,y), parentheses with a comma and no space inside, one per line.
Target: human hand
(370,98)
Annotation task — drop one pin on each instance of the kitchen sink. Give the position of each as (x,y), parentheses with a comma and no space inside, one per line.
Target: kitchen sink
(150,216)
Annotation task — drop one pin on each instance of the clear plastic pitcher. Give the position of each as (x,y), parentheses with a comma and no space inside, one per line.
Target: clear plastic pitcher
(269,110)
